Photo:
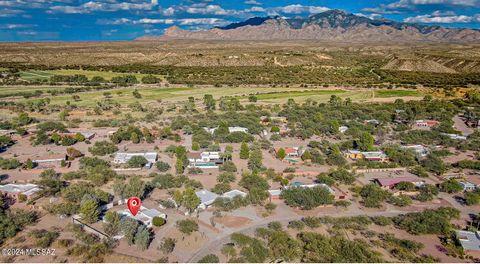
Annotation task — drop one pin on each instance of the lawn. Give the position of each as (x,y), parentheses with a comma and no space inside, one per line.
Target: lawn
(397,93)
(42,75)
(10,90)
(125,97)
(35,75)
(292,94)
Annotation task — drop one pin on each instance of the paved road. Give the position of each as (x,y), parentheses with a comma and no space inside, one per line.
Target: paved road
(225,237)
(460,125)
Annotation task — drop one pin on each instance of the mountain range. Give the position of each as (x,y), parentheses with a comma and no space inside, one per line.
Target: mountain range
(332,25)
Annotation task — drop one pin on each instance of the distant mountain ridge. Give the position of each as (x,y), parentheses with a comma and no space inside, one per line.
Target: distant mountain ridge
(332,25)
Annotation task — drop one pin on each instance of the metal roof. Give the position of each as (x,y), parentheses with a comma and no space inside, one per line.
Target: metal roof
(20,188)
(469,240)
(206,197)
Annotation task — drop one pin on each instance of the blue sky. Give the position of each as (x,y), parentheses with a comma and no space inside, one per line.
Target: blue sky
(85,20)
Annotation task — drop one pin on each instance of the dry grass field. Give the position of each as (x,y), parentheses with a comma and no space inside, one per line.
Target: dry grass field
(419,57)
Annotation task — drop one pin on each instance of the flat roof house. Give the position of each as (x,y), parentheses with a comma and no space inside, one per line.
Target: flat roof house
(389,183)
(206,160)
(145,215)
(122,157)
(14,190)
(233,193)
(375,156)
(426,123)
(420,150)
(230,129)
(275,194)
(238,129)
(468,186)
(455,136)
(50,158)
(206,198)
(49,161)
(291,152)
(470,240)
(367,155)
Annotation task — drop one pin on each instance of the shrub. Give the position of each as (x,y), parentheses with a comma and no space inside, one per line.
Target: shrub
(373,195)
(299,225)
(102,148)
(401,200)
(137,162)
(428,222)
(343,203)
(381,220)
(307,198)
(210,258)
(451,186)
(270,207)
(311,221)
(162,166)
(228,166)
(187,226)
(158,221)
(168,245)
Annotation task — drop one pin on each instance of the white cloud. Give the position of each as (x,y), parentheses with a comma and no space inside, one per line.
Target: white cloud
(29,32)
(94,6)
(200,9)
(299,9)
(201,21)
(255,9)
(443,17)
(209,10)
(32,3)
(371,16)
(16,26)
(183,21)
(252,2)
(7,12)
(406,5)
(154,21)
(168,12)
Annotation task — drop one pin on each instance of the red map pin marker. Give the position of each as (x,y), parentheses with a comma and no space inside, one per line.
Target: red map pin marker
(134,204)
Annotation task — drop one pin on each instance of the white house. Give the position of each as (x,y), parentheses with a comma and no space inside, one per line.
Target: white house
(468,186)
(419,150)
(455,136)
(230,129)
(122,157)
(293,152)
(206,198)
(144,215)
(343,129)
(49,159)
(238,129)
(14,190)
(204,160)
(233,193)
(470,240)
(210,130)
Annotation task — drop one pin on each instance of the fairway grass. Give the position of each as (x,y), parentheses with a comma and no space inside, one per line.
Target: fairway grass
(397,93)
(45,75)
(125,97)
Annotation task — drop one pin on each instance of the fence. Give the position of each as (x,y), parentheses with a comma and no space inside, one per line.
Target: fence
(88,228)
